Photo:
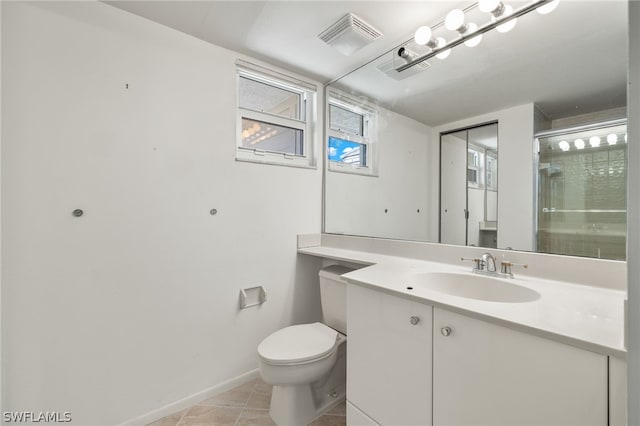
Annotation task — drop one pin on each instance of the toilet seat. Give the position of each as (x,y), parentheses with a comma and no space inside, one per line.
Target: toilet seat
(299,344)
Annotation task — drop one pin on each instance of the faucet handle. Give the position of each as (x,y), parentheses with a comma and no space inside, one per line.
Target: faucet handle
(477,261)
(505,266)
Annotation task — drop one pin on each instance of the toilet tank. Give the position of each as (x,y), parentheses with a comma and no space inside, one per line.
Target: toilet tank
(333,296)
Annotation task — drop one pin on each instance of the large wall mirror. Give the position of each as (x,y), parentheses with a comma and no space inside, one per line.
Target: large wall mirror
(516,143)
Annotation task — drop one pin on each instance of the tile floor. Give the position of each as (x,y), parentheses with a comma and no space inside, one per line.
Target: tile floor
(245,405)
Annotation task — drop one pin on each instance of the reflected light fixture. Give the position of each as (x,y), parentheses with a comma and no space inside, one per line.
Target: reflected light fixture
(423,37)
(548,7)
(579,143)
(612,139)
(503,18)
(498,10)
(564,145)
(455,22)
(594,141)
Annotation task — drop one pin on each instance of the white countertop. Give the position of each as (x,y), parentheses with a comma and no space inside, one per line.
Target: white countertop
(584,316)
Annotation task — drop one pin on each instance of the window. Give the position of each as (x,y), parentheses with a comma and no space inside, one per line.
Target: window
(473,168)
(351,135)
(275,118)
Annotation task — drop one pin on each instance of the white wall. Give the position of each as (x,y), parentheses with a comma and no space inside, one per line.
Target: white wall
(633,218)
(135,304)
(515,172)
(356,204)
(1,325)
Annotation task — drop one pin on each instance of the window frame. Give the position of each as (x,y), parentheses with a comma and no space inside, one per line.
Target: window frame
(368,138)
(306,124)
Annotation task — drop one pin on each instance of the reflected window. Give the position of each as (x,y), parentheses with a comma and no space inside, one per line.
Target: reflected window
(343,151)
(352,134)
(347,121)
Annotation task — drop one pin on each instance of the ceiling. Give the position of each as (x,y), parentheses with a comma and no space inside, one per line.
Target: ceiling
(285,33)
(572,61)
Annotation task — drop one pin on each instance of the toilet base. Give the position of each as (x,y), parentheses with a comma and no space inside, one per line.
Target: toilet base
(296,406)
(299,405)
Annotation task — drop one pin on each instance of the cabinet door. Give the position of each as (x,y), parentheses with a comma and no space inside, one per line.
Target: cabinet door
(356,417)
(389,357)
(486,374)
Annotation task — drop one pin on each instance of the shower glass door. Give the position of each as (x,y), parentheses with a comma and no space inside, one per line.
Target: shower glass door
(582,175)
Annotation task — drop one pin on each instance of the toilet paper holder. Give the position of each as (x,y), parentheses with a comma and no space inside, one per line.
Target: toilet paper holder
(252,296)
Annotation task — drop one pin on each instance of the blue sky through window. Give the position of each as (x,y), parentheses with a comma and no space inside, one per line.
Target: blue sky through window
(344,151)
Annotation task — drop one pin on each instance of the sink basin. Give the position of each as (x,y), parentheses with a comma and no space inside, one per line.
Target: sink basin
(474,286)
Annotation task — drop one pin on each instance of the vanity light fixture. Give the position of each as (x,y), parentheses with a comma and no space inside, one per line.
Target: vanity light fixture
(498,10)
(579,143)
(423,37)
(503,18)
(549,7)
(564,145)
(594,141)
(455,22)
(612,139)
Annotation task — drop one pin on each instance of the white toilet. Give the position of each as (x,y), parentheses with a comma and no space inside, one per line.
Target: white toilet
(306,364)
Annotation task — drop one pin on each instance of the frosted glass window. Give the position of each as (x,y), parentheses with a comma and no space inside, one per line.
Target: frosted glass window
(343,120)
(275,118)
(263,97)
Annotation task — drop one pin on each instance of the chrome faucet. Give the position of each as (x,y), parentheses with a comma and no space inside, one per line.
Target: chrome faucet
(486,265)
(488,262)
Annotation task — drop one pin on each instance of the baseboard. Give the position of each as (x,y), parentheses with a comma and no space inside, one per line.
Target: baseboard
(190,400)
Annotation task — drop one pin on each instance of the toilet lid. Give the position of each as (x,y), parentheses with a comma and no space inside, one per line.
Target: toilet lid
(298,343)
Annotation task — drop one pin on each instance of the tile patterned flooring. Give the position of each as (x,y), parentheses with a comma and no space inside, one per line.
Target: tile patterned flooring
(245,405)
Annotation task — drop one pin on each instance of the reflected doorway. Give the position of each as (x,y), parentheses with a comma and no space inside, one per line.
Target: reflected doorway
(469,186)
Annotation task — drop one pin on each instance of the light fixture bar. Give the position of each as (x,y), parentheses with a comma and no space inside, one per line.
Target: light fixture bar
(485,28)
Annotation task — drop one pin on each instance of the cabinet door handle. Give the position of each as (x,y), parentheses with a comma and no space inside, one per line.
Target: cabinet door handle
(414,320)
(446,331)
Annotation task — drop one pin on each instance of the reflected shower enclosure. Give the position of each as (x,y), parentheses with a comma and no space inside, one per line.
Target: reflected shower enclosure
(582,175)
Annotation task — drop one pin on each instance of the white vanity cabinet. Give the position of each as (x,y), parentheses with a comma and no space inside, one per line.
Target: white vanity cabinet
(411,364)
(388,358)
(485,374)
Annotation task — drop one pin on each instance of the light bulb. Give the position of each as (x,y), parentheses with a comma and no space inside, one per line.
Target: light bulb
(445,53)
(579,143)
(612,139)
(564,145)
(472,42)
(594,141)
(422,35)
(548,8)
(488,6)
(507,26)
(454,20)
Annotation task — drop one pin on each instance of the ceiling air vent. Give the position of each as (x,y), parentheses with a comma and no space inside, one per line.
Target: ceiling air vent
(349,34)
